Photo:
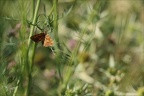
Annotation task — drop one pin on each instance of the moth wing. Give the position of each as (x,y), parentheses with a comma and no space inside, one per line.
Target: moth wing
(47,41)
(38,37)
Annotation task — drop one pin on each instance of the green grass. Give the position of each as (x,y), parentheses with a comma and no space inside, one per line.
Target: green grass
(98,48)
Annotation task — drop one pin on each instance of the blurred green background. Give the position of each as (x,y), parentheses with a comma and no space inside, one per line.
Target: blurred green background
(98,48)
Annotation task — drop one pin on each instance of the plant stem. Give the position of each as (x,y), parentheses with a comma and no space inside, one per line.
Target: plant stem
(14,94)
(34,21)
(30,57)
(55,2)
(57,46)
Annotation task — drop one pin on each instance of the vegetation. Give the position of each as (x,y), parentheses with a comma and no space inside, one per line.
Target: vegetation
(98,48)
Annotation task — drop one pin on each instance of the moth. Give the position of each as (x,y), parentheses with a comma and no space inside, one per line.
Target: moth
(44,38)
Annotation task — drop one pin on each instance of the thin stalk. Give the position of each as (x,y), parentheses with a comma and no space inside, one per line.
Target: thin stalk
(51,11)
(55,23)
(34,21)
(31,56)
(57,46)
(14,94)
